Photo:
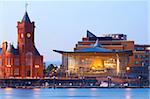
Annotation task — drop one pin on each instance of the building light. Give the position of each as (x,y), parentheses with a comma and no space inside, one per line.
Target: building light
(148,48)
(37,66)
(136,62)
(127,68)
(8,66)
(93,68)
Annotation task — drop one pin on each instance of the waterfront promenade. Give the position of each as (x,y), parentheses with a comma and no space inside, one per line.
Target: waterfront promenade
(70,83)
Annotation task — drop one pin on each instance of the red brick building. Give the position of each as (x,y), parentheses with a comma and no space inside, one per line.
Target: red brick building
(24,61)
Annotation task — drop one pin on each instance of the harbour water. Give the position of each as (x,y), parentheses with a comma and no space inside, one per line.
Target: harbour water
(75,93)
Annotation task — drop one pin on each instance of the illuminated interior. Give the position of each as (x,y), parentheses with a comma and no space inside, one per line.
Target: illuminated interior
(91,65)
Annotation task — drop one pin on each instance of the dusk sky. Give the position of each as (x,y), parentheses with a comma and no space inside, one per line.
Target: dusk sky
(61,24)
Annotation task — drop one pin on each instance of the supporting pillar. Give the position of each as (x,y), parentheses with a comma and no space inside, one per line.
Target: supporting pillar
(118,64)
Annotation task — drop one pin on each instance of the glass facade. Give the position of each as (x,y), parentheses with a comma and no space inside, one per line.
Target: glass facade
(91,65)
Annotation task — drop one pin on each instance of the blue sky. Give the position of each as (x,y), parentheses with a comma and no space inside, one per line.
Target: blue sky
(61,24)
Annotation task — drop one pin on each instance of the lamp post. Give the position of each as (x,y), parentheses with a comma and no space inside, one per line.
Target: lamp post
(140,80)
(127,72)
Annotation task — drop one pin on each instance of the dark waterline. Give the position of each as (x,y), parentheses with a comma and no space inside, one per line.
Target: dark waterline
(75,93)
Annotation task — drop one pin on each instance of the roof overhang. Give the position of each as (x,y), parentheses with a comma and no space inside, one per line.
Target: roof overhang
(129,52)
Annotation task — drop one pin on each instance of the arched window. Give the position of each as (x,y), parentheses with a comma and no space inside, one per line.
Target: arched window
(29,60)
(16,61)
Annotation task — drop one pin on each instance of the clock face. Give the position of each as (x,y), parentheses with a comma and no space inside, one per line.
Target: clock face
(28,35)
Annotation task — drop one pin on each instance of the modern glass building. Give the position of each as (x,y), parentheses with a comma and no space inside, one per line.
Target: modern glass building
(95,61)
(108,55)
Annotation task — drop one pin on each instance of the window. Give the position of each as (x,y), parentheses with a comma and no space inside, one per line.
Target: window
(136,62)
(147,52)
(142,56)
(135,56)
(16,61)
(29,59)
(21,35)
(128,59)
(8,61)
(16,71)
(142,63)
(139,48)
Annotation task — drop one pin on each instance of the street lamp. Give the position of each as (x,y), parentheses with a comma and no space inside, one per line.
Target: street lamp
(127,68)
(127,71)
(140,80)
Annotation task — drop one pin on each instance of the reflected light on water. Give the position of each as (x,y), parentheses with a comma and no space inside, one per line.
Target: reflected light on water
(93,89)
(74,93)
(36,92)
(36,89)
(128,96)
(8,90)
(71,89)
(128,93)
(93,92)
(71,93)
(8,93)
(128,89)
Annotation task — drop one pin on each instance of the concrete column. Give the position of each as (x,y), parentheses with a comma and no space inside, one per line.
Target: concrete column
(118,64)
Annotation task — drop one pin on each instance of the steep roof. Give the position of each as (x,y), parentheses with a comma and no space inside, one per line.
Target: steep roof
(89,34)
(26,18)
(12,50)
(36,52)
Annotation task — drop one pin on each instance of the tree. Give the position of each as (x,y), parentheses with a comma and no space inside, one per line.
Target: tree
(50,69)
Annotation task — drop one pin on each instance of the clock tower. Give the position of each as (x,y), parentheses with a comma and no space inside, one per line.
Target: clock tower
(25,61)
(30,60)
(26,35)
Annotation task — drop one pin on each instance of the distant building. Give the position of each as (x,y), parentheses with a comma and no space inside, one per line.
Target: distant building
(110,54)
(24,61)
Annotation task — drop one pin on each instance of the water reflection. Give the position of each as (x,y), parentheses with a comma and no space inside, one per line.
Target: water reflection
(74,93)
(93,92)
(93,89)
(128,96)
(128,93)
(8,92)
(36,92)
(71,89)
